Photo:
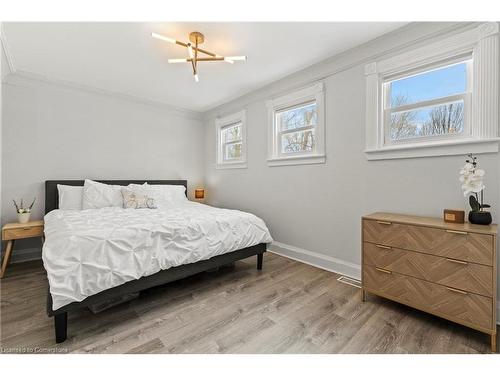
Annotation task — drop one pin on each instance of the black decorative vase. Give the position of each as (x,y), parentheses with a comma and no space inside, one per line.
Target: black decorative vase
(480,217)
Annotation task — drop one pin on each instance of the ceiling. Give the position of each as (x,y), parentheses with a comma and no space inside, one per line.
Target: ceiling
(123,58)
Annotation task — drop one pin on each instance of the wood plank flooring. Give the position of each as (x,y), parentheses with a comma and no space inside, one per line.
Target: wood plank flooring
(288,307)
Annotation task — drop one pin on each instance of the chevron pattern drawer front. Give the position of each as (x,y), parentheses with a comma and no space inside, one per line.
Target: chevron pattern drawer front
(469,308)
(471,247)
(445,269)
(470,277)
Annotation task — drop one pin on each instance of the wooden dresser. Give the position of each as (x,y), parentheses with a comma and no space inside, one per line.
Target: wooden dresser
(448,270)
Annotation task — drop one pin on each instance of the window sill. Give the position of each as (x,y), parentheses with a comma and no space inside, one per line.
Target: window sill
(430,149)
(236,165)
(297,160)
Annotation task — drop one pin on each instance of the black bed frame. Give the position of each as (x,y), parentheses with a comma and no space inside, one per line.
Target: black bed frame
(175,273)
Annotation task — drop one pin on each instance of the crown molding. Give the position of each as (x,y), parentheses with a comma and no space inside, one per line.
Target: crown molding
(25,78)
(362,54)
(15,75)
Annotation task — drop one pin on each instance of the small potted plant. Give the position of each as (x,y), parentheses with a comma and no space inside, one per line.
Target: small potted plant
(23,213)
(472,183)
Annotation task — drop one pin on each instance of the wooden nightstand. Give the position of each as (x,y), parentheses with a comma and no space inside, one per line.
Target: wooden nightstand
(16,231)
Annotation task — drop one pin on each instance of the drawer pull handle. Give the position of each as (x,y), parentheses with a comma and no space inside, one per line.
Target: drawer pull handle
(457,261)
(457,291)
(384,247)
(382,270)
(384,222)
(27,228)
(456,231)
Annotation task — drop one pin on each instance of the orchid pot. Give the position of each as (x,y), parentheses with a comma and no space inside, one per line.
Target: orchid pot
(23,212)
(481,217)
(23,217)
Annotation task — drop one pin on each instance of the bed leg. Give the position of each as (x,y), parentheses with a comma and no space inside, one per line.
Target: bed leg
(260,257)
(61,326)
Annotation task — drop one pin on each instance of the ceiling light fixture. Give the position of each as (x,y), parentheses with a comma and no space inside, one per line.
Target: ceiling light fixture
(195,39)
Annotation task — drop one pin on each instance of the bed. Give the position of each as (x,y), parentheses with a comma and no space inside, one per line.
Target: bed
(96,255)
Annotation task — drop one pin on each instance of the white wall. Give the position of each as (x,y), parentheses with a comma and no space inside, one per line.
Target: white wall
(317,208)
(55,132)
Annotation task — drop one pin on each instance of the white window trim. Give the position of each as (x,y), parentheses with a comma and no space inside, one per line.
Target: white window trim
(304,95)
(223,122)
(482,44)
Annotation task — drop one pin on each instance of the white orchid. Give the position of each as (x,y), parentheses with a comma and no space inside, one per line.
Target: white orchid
(471,179)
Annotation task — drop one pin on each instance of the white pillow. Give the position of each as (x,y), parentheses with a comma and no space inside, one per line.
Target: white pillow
(177,192)
(98,195)
(173,193)
(70,197)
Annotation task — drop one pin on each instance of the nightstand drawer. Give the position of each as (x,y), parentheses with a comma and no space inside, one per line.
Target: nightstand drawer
(470,277)
(22,232)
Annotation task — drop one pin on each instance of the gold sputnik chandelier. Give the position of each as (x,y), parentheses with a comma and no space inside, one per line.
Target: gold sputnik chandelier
(195,39)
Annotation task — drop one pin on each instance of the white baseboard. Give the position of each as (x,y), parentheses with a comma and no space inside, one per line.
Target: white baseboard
(317,260)
(326,262)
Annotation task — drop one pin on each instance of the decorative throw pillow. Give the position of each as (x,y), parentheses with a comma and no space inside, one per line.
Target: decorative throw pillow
(162,200)
(135,199)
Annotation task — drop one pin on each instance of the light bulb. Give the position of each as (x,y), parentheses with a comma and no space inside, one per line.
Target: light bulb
(174,61)
(164,38)
(235,58)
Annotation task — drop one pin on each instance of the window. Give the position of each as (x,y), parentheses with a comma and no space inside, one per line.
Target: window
(428,104)
(231,147)
(438,99)
(232,142)
(296,128)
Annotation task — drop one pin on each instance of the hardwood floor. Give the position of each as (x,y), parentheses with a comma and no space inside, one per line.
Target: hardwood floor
(288,307)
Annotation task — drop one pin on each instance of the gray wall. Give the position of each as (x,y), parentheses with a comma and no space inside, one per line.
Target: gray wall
(318,208)
(53,132)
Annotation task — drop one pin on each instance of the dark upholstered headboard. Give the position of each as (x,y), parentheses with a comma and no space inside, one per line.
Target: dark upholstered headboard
(52,194)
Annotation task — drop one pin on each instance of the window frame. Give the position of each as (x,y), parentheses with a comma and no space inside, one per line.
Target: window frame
(481,118)
(223,123)
(465,97)
(298,98)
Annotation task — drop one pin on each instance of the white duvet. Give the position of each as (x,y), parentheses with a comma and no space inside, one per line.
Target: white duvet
(88,251)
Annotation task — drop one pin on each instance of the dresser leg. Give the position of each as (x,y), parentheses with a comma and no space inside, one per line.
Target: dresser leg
(363,295)
(494,343)
(6,257)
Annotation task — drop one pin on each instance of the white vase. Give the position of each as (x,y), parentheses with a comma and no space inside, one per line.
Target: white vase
(23,218)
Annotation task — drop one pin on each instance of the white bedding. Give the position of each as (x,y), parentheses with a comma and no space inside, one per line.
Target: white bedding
(86,252)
